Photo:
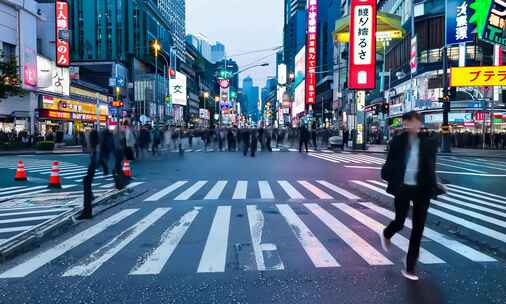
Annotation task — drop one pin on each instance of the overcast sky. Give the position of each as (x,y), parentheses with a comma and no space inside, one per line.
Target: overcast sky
(242,26)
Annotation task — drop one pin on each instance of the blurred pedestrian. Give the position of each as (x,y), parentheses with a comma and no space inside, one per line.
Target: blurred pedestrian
(410,171)
(303,137)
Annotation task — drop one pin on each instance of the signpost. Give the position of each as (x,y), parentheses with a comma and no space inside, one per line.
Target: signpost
(362,60)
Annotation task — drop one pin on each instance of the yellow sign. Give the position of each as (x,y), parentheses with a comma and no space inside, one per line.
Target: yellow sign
(89,94)
(478,76)
(380,35)
(67,105)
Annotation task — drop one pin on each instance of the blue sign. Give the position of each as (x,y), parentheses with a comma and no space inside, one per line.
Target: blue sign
(458,28)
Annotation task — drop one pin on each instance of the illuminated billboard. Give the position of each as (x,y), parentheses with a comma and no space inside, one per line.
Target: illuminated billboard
(311,50)
(62,34)
(178,89)
(299,105)
(300,66)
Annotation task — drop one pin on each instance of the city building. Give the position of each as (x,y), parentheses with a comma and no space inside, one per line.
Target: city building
(174,12)
(294,30)
(201,44)
(217,52)
(250,99)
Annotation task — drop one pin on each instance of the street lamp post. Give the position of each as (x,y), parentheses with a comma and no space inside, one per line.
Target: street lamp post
(156,48)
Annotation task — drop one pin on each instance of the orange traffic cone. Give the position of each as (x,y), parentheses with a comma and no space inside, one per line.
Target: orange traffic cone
(127,172)
(54,179)
(20,172)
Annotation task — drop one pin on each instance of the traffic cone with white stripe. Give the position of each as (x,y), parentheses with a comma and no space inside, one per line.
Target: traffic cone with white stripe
(54,179)
(127,172)
(20,172)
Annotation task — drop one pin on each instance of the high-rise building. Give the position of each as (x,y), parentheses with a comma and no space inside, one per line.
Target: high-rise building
(294,30)
(217,52)
(201,44)
(174,12)
(250,94)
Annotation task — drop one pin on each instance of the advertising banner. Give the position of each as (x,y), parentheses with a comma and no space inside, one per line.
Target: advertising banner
(362,63)
(489,16)
(311,50)
(51,78)
(178,89)
(298,105)
(458,28)
(413,63)
(62,34)
(282,77)
(300,66)
(67,105)
(478,76)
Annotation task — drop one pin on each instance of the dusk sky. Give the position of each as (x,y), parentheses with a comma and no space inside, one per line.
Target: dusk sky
(242,26)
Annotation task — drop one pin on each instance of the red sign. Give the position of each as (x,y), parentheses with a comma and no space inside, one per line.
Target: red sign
(117,103)
(62,34)
(362,63)
(311,47)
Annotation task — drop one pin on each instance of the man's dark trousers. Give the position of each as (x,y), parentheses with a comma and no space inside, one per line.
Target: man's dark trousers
(420,207)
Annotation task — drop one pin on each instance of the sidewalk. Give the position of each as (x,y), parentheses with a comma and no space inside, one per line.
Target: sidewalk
(57,150)
(455,152)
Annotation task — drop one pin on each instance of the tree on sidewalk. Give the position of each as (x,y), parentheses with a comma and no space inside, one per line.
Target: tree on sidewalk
(10,84)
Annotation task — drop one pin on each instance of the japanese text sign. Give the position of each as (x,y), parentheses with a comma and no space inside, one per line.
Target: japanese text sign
(458,28)
(311,50)
(362,63)
(62,34)
(478,76)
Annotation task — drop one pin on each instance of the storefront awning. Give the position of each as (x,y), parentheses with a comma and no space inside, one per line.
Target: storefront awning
(388,27)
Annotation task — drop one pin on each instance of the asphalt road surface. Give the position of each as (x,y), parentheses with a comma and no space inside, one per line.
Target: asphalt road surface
(282,227)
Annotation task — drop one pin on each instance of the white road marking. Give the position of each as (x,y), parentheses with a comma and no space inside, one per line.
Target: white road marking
(449,217)
(459,248)
(398,240)
(359,245)
(316,251)
(452,192)
(459,167)
(324,157)
(215,251)
(187,194)
(26,219)
(315,190)
(54,252)
(474,206)
(241,189)
(154,261)
(363,167)
(338,190)
(11,188)
(290,190)
(22,190)
(87,266)
(476,191)
(14,229)
(166,191)
(256,222)
(265,190)
(33,212)
(475,165)
(216,191)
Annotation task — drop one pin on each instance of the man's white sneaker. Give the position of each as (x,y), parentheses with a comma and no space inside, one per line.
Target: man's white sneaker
(409,275)
(385,243)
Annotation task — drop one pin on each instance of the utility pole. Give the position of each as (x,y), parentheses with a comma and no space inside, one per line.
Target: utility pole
(445,128)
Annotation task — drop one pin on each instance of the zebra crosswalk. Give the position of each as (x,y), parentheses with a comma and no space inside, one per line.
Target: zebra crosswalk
(267,238)
(348,158)
(204,190)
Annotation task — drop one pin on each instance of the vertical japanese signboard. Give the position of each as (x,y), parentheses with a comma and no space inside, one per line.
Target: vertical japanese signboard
(362,63)
(489,17)
(458,28)
(311,48)
(62,34)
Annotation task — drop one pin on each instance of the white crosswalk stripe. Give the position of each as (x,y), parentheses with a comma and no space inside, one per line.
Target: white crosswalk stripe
(166,191)
(290,190)
(54,252)
(89,265)
(215,251)
(315,190)
(216,191)
(265,190)
(348,158)
(241,190)
(187,194)
(156,259)
(339,190)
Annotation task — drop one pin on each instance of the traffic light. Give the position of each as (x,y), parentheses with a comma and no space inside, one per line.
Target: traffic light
(171,73)
(445,100)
